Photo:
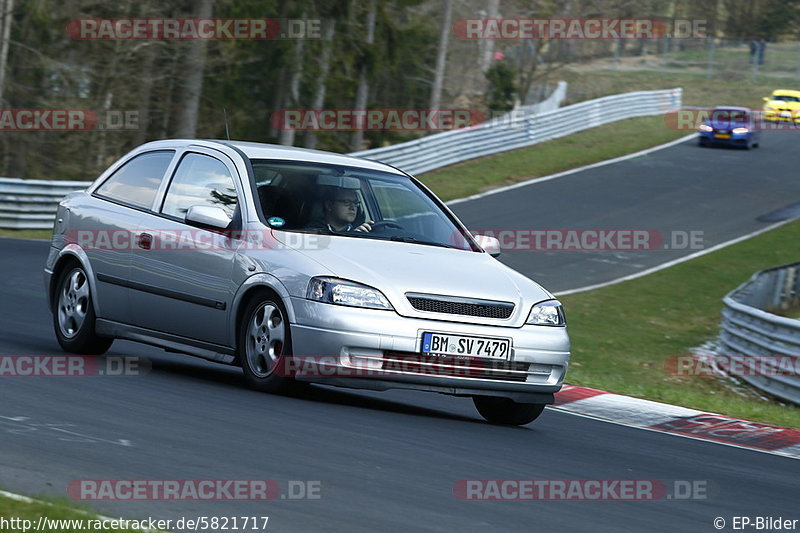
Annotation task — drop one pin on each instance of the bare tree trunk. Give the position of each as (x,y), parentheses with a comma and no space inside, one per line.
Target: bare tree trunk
(441,58)
(493,7)
(329,28)
(277,100)
(286,136)
(193,86)
(362,92)
(6,10)
(146,91)
(102,134)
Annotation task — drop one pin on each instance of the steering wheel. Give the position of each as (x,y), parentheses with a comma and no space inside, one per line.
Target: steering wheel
(386,224)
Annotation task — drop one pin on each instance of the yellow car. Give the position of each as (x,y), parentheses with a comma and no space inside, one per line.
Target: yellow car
(782,105)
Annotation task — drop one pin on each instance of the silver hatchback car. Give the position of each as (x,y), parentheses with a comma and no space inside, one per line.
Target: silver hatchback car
(301,266)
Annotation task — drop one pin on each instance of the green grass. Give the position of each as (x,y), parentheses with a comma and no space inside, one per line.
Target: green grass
(50,509)
(622,335)
(583,148)
(27,233)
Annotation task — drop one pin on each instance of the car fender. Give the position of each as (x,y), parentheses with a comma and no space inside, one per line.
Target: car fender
(73,251)
(264,280)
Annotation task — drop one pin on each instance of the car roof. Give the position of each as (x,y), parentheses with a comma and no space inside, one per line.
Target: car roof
(785,92)
(253,150)
(731,108)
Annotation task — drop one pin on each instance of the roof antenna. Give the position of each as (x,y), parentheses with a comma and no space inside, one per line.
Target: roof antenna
(227,133)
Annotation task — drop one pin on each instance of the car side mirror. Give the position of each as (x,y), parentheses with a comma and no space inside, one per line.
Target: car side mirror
(490,244)
(766,99)
(208,216)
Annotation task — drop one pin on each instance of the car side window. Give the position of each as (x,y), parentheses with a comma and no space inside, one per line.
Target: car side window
(136,182)
(200,180)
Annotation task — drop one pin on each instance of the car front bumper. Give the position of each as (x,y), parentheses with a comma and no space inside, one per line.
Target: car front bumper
(374,349)
(737,139)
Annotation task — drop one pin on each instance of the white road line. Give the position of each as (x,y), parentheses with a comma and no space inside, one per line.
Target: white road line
(674,262)
(573,170)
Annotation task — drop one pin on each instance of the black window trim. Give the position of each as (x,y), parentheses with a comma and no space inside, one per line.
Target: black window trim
(236,219)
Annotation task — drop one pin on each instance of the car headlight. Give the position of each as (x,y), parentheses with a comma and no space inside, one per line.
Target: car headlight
(342,292)
(547,313)
(705,127)
(769,108)
(740,130)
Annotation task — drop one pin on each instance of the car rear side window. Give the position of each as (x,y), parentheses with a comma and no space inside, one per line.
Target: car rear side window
(136,182)
(200,180)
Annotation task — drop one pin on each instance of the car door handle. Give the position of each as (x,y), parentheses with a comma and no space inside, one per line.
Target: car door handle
(144,241)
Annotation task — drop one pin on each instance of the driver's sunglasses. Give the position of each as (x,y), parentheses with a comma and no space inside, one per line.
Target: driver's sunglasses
(349,203)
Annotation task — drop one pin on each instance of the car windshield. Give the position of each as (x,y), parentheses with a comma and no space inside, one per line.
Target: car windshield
(733,116)
(353,202)
(786,98)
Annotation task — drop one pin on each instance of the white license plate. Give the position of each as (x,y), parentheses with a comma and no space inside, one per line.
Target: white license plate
(464,346)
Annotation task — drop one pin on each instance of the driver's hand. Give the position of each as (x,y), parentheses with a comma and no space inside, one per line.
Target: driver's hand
(366,226)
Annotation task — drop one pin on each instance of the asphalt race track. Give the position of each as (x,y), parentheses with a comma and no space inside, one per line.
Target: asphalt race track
(390,461)
(718,193)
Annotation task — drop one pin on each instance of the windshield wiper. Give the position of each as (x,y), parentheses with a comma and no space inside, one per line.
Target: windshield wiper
(403,238)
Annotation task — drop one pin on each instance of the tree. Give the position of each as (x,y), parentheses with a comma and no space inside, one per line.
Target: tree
(441,56)
(362,91)
(192,89)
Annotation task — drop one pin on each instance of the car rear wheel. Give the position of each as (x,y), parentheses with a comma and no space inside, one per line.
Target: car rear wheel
(73,314)
(265,345)
(505,412)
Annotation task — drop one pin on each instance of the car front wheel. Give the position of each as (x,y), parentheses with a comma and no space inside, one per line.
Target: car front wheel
(505,412)
(265,345)
(73,314)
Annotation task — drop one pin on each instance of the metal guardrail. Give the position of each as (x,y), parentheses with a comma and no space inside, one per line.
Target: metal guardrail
(31,204)
(522,127)
(751,333)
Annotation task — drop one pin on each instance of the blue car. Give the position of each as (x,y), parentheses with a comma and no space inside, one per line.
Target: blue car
(732,126)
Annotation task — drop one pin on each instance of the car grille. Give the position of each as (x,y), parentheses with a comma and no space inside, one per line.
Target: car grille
(414,363)
(453,305)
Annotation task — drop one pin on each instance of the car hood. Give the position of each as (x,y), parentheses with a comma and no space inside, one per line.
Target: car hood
(396,268)
(783,105)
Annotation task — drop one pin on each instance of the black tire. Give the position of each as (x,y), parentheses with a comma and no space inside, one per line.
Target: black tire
(701,142)
(505,412)
(265,345)
(74,318)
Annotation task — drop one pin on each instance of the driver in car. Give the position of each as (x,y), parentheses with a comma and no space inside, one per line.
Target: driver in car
(341,207)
